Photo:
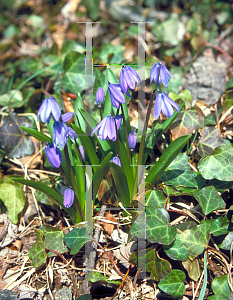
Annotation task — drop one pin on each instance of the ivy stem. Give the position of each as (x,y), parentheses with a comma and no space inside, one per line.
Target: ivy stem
(152,97)
(126,135)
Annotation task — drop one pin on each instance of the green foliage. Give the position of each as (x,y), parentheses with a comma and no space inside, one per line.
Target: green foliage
(53,238)
(95,276)
(172,284)
(221,288)
(13,198)
(157,226)
(12,138)
(219,165)
(76,238)
(209,199)
(37,252)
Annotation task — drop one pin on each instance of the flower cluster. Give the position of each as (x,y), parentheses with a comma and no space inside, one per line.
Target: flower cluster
(50,109)
(159,73)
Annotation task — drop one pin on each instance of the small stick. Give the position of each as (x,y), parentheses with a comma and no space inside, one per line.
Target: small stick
(121,284)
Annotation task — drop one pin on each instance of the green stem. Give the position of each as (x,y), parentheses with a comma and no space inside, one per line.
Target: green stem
(74,185)
(142,144)
(118,141)
(126,135)
(100,113)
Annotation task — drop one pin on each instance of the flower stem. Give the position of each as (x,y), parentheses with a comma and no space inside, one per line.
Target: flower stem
(118,141)
(126,135)
(142,144)
(100,113)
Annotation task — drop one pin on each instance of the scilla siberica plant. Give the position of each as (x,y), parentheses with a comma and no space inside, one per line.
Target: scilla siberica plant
(71,149)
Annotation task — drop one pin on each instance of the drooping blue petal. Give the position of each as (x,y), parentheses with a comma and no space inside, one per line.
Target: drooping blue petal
(116,161)
(68,197)
(118,121)
(100,96)
(116,94)
(173,103)
(71,133)
(132,140)
(81,150)
(49,108)
(53,154)
(167,108)
(60,134)
(67,117)
(158,106)
(128,76)
(106,129)
(164,75)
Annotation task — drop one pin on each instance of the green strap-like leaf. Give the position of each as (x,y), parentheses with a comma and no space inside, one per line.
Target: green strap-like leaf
(121,183)
(166,158)
(88,147)
(127,169)
(51,193)
(38,135)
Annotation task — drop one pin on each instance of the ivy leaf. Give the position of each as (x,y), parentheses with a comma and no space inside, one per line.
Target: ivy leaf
(195,240)
(219,226)
(53,238)
(12,138)
(219,165)
(13,198)
(74,78)
(85,297)
(179,173)
(157,226)
(173,283)
(96,276)
(209,141)
(75,239)
(193,268)
(226,243)
(187,122)
(154,264)
(37,252)
(155,198)
(209,199)
(16,98)
(221,287)
(176,250)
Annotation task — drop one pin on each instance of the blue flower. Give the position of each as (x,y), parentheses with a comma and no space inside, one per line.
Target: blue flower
(53,154)
(128,76)
(67,117)
(71,133)
(116,161)
(81,150)
(132,140)
(68,197)
(49,108)
(60,134)
(116,94)
(164,103)
(100,96)
(164,74)
(106,129)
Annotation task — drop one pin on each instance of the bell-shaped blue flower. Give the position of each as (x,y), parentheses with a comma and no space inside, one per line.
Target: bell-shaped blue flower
(128,76)
(81,150)
(71,133)
(164,103)
(60,134)
(49,108)
(132,140)
(67,117)
(53,154)
(116,160)
(164,74)
(106,129)
(100,96)
(116,95)
(68,197)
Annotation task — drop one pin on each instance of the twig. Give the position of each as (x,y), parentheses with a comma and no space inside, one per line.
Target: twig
(114,264)
(121,284)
